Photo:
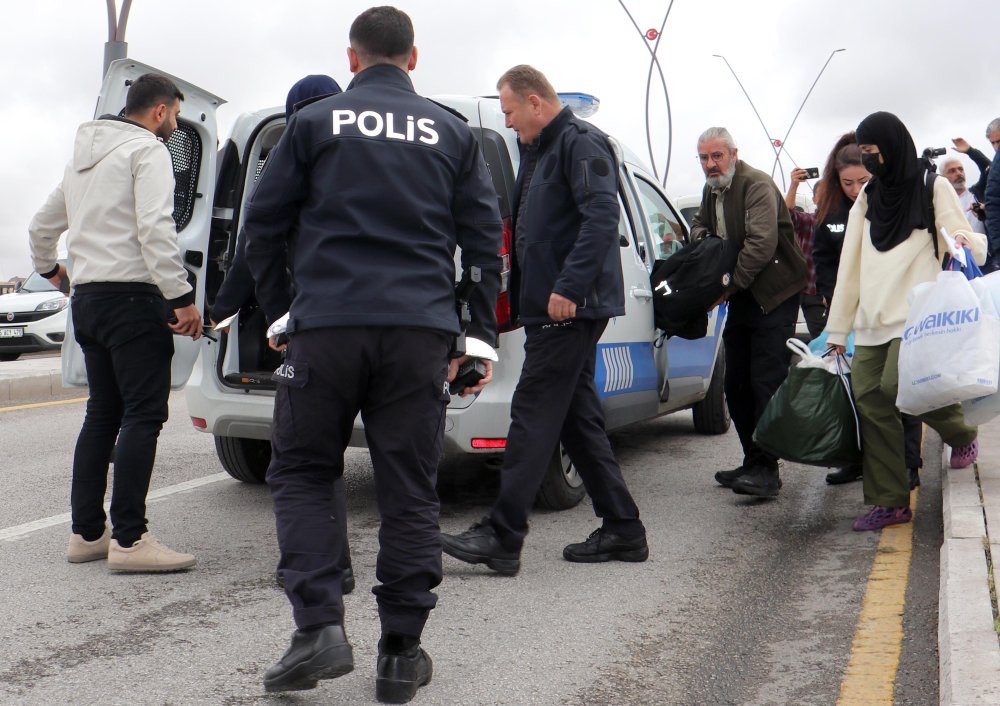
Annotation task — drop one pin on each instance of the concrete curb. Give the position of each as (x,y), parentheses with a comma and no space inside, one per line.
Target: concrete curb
(41,386)
(968,645)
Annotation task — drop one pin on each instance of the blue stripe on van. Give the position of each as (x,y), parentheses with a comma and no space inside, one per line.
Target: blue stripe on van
(624,367)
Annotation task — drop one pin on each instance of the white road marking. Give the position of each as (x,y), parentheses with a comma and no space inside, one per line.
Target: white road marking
(18,531)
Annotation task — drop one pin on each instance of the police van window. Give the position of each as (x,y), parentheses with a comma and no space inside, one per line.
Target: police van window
(184,146)
(664,226)
(627,234)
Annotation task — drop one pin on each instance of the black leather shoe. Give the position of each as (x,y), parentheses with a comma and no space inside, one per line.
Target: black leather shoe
(317,654)
(346,580)
(761,481)
(399,675)
(914,474)
(726,478)
(603,545)
(480,545)
(845,474)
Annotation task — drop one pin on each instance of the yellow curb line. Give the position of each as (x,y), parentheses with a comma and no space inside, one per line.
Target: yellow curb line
(870,678)
(36,405)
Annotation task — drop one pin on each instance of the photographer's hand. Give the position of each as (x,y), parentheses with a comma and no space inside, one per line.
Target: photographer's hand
(960,144)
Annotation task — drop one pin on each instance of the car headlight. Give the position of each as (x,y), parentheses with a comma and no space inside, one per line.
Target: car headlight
(53,304)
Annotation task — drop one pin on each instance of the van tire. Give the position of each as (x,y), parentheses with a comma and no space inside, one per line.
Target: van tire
(711,415)
(245,460)
(562,487)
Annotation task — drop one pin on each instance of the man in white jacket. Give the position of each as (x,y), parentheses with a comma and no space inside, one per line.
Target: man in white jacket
(115,203)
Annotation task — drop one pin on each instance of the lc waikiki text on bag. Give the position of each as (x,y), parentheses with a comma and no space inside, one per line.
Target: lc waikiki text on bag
(811,418)
(950,349)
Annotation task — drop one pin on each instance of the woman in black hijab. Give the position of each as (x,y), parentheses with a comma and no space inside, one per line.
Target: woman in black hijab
(887,251)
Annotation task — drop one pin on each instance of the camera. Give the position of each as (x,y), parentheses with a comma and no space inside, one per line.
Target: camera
(927,158)
(812,172)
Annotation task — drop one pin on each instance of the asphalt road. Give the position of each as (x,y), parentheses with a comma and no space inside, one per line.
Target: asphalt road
(741,601)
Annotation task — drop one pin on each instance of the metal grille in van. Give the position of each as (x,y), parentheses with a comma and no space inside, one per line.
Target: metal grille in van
(185,152)
(260,168)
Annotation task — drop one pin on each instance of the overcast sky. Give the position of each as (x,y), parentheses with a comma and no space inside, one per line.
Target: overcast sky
(935,64)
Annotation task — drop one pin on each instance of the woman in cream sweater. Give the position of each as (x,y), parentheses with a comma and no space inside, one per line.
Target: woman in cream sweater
(887,251)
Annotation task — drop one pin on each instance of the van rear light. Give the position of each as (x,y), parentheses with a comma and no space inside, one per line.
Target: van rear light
(199,423)
(505,319)
(489,443)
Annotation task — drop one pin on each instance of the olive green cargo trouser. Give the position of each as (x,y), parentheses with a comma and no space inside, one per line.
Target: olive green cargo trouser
(875,380)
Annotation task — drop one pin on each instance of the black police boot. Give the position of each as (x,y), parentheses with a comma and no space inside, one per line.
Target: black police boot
(401,671)
(323,653)
(845,474)
(346,580)
(914,474)
(761,481)
(480,545)
(726,478)
(603,545)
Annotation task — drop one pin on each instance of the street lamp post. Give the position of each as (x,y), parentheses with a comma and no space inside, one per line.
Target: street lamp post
(770,140)
(116,47)
(789,132)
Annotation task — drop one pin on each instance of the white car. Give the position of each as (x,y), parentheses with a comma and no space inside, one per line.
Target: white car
(230,393)
(32,319)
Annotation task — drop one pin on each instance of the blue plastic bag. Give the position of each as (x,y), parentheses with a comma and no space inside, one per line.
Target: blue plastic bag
(971,269)
(819,346)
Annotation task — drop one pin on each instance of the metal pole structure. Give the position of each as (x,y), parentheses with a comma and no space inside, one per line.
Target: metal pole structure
(815,81)
(654,60)
(116,47)
(770,139)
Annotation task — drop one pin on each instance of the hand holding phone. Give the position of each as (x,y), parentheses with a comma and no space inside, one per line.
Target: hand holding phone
(812,172)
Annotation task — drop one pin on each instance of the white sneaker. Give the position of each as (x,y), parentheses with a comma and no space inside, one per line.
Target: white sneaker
(80,550)
(147,554)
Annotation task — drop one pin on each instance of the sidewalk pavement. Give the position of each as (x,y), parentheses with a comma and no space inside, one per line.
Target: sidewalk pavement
(35,379)
(968,644)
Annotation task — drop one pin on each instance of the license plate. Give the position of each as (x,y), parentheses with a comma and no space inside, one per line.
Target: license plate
(11,332)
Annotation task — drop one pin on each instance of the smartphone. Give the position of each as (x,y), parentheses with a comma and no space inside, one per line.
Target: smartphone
(812,172)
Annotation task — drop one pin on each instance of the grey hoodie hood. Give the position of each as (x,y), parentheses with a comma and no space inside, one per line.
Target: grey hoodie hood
(96,139)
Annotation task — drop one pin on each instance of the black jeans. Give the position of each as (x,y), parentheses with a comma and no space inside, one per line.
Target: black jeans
(556,399)
(396,378)
(127,347)
(756,364)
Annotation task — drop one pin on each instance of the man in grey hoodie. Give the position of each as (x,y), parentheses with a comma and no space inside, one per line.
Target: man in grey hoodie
(115,203)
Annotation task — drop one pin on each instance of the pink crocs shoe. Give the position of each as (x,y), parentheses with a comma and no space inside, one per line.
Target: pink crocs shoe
(879,517)
(965,456)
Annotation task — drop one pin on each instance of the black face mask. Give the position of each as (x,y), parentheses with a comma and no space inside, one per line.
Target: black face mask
(871,163)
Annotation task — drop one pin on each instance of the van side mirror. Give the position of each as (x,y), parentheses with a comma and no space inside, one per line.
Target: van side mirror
(17,286)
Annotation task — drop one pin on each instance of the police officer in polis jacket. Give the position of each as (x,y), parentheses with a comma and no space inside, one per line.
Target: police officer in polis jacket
(568,283)
(381,185)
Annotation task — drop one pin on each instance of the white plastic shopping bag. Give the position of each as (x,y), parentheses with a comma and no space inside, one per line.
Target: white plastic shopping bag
(74,369)
(982,409)
(950,351)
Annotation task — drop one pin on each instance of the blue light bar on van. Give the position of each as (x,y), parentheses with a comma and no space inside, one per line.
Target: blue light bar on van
(583,104)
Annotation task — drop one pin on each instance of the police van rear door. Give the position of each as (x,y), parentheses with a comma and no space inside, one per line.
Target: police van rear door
(192,150)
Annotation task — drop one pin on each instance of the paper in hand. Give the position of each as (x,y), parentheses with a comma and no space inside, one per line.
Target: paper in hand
(278,327)
(226,322)
(956,252)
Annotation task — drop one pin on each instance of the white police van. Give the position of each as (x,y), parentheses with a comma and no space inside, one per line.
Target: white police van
(230,394)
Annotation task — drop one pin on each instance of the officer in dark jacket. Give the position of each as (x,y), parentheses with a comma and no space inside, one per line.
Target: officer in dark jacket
(743,205)
(567,283)
(380,186)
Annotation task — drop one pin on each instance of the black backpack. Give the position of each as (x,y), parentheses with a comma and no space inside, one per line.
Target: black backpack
(686,284)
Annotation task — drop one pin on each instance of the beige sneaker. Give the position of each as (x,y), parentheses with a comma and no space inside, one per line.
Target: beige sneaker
(80,550)
(147,554)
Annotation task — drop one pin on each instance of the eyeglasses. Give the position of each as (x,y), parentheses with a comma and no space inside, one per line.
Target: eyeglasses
(713,157)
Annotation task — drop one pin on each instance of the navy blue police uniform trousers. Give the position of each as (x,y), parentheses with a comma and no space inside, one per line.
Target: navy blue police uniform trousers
(397,379)
(556,400)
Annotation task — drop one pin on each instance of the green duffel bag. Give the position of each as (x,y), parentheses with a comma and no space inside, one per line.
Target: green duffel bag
(812,419)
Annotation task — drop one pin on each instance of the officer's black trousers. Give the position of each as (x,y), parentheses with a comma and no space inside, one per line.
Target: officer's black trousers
(396,378)
(756,364)
(556,399)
